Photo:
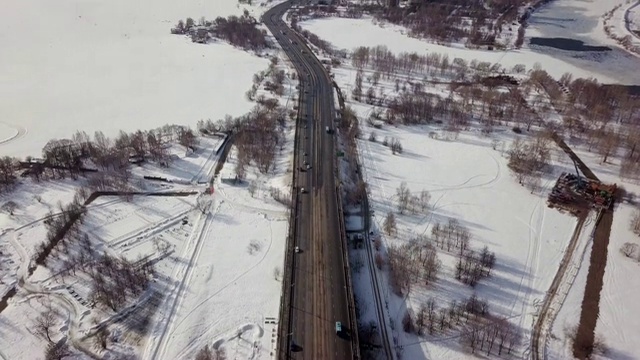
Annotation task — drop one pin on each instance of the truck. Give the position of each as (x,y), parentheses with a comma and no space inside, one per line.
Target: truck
(328,129)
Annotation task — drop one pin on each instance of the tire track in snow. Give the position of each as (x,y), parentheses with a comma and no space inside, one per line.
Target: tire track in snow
(211,158)
(231,281)
(177,326)
(20,133)
(160,347)
(530,268)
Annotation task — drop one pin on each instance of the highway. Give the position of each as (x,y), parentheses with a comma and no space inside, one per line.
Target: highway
(318,285)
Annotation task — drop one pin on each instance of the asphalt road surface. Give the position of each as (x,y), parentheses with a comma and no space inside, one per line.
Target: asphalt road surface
(319,287)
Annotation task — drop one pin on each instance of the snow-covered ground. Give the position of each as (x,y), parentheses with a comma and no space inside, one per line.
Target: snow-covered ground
(568,300)
(216,271)
(469,180)
(113,66)
(229,287)
(619,317)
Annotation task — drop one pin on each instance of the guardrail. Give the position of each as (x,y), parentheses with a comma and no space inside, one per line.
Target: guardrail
(353,321)
(286,298)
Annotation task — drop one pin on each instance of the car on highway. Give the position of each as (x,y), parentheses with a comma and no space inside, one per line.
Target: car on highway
(303,190)
(297,249)
(338,327)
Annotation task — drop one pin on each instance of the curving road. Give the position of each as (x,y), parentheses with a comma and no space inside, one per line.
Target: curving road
(318,285)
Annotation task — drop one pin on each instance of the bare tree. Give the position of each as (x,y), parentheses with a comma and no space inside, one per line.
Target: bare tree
(389,225)
(471,335)
(396,146)
(421,319)
(44,323)
(379,260)
(57,351)
(205,354)
(203,203)
(403,197)
(425,197)
(9,207)
(102,335)
(430,263)
(407,323)
(629,249)
(635,222)
(253,186)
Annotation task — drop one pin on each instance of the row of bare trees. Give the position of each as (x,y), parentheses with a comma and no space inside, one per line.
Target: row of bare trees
(207,353)
(413,262)
(529,160)
(259,138)
(67,157)
(605,117)
(8,173)
(387,63)
(454,21)
(241,31)
(60,226)
(406,201)
(116,280)
(477,328)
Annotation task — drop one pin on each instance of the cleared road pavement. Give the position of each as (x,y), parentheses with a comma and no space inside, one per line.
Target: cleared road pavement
(319,287)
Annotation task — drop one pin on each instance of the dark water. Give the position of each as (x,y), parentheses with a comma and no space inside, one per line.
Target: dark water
(566,44)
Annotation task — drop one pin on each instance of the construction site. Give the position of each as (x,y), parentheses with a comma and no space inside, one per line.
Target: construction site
(578,194)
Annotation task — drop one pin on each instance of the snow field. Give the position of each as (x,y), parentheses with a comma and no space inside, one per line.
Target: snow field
(227,295)
(468,179)
(113,66)
(470,182)
(70,294)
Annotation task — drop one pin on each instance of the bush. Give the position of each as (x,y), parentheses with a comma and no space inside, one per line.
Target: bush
(372,137)
(629,249)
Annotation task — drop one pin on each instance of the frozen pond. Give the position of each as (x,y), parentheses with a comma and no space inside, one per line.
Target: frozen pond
(571,30)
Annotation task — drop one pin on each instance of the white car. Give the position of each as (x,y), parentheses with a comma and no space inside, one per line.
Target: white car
(297,249)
